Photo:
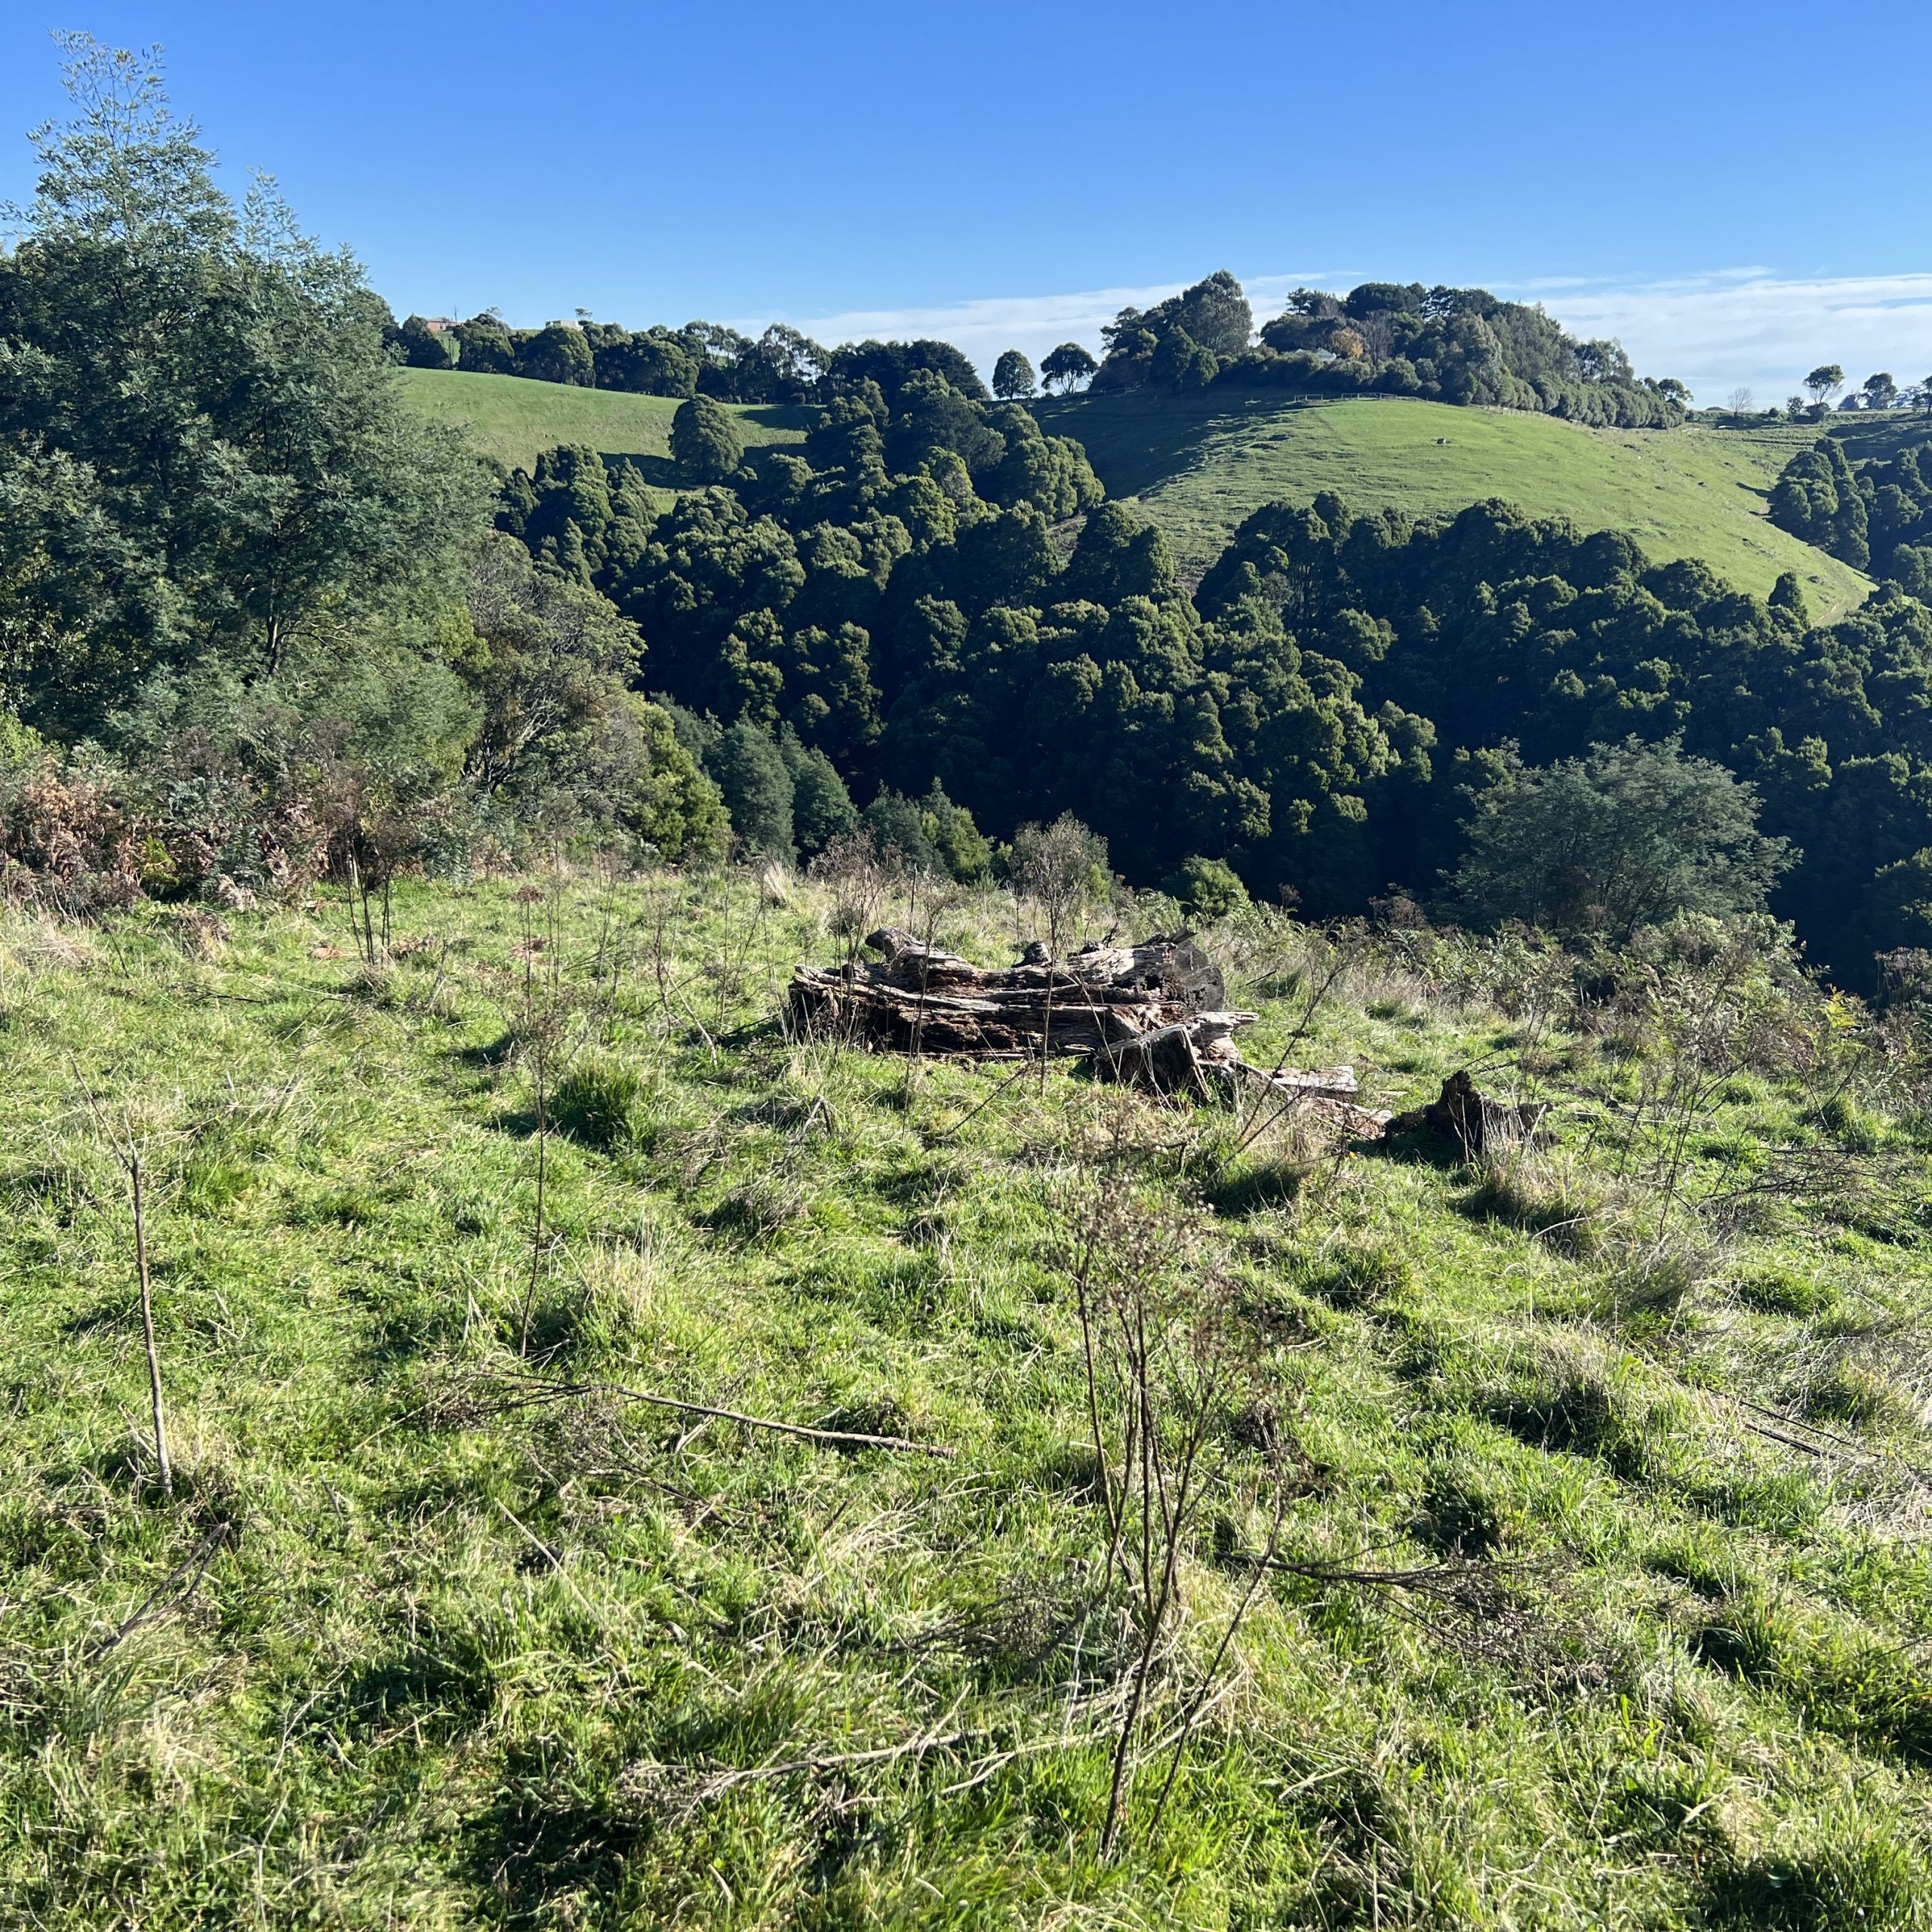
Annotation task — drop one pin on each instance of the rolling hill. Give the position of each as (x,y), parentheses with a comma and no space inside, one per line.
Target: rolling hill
(1199,466)
(513,419)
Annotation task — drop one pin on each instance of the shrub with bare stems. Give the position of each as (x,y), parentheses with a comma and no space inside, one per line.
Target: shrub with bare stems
(1168,1361)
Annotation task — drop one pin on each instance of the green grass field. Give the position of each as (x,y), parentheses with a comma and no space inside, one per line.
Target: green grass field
(515,419)
(1607,1588)
(1200,465)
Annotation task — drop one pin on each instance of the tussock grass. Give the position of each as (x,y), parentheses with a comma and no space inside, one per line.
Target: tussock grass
(439,1632)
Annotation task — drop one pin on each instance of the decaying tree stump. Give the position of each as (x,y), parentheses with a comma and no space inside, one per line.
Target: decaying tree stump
(1151,1016)
(1482,1124)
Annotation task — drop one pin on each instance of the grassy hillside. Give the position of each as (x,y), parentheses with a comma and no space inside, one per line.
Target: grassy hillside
(1200,465)
(1601,1588)
(514,419)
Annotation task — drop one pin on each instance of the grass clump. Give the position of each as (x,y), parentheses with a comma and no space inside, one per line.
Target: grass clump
(1856,1882)
(1785,1291)
(1847,1392)
(600,1101)
(1362,1273)
(1544,1197)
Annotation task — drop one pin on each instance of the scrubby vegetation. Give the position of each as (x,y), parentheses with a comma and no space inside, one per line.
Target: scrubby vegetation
(1551,1553)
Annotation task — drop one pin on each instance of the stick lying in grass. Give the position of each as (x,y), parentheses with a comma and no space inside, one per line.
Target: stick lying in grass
(548,1391)
(171,1593)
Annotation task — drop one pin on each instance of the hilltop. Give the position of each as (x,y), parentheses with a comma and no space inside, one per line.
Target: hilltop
(1200,462)
(515,419)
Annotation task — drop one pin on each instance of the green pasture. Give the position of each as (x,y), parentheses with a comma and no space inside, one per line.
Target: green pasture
(1200,464)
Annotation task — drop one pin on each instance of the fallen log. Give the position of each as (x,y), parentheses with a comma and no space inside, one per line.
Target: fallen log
(1151,1016)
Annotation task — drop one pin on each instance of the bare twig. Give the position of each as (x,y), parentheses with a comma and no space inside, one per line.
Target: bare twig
(128,1154)
(171,1592)
(837,1438)
(165,1470)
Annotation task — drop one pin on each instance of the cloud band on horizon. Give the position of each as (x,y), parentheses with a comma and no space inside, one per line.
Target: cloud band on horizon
(1731,328)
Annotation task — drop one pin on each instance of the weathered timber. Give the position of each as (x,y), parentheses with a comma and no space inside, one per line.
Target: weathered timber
(1482,1124)
(1150,1016)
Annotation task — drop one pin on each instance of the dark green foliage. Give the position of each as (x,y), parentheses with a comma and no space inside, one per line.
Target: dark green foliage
(1465,636)
(202,453)
(425,348)
(751,774)
(1179,362)
(898,829)
(1069,365)
(1457,345)
(781,366)
(1874,513)
(705,442)
(822,807)
(1208,888)
(589,519)
(1815,498)
(1321,714)
(957,843)
(1632,835)
(558,353)
(1181,342)
(891,365)
(486,346)
(1013,376)
(653,363)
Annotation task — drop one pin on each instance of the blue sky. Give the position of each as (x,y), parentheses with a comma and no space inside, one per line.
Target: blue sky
(1736,190)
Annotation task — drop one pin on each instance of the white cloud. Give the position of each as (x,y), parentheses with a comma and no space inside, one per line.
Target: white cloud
(1751,328)
(1732,328)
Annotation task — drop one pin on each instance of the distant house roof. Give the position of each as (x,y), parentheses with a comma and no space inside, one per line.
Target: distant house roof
(440,325)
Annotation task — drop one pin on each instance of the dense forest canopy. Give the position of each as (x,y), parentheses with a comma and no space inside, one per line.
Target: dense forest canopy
(1320,714)
(1874,512)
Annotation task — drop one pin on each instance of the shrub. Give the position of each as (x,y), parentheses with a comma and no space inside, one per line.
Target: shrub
(1208,888)
(1629,836)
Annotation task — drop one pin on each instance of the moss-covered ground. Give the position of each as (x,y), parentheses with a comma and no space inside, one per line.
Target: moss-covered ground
(438,1629)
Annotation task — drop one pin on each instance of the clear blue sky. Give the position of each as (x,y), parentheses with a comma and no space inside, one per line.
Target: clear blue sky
(654,163)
